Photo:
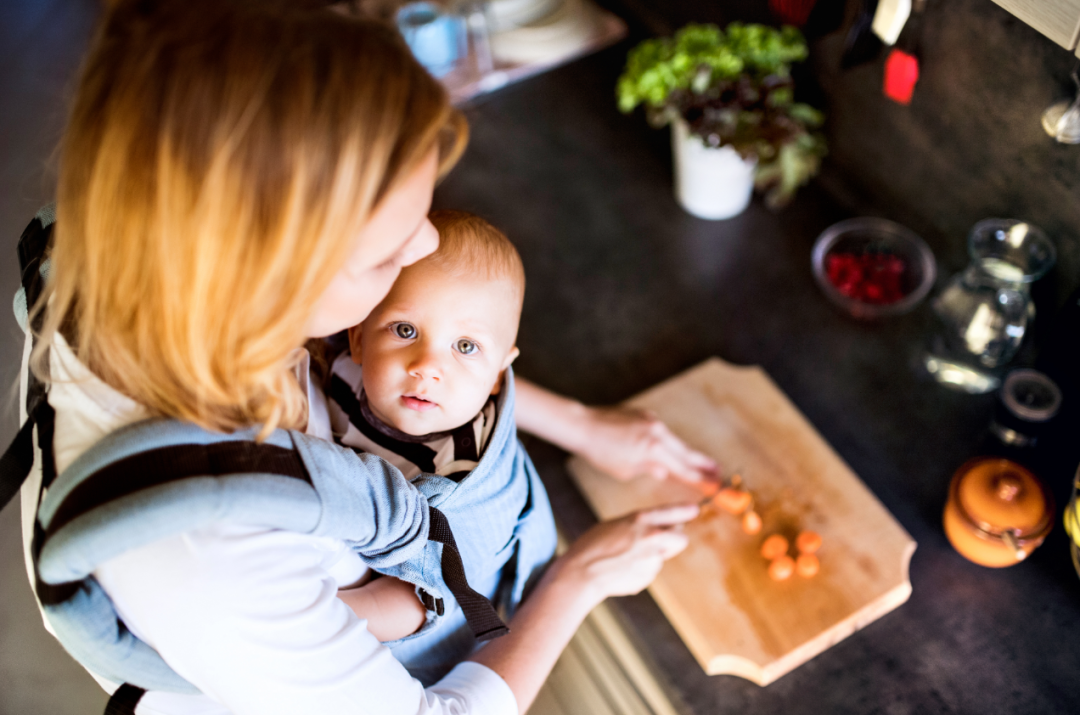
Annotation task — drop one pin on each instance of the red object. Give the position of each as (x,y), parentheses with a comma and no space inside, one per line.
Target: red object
(901,74)
(792,12)
(869,277)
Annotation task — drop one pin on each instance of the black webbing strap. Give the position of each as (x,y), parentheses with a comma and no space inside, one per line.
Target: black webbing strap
(33,244)
(479,613)
(431,603)
(47,593)
(124,700)
(18,460)
(16,463)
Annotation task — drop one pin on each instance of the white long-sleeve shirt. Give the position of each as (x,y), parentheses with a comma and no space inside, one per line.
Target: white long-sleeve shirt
(250,616)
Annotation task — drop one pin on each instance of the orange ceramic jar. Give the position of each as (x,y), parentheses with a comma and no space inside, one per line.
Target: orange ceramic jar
(998,512)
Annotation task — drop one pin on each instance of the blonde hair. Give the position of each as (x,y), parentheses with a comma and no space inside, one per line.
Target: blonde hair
(469,246)
(218,163)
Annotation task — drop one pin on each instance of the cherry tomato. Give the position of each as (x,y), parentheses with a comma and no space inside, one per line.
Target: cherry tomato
(751,523)
(807,565)
(774,547)
(733,501)
(808,542)
(781,568)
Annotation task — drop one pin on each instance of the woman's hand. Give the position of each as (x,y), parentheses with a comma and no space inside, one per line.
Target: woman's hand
(623,442)
(626,443)
(616,558)
(623,556)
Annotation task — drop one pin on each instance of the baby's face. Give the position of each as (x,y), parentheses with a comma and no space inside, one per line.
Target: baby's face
(436,348)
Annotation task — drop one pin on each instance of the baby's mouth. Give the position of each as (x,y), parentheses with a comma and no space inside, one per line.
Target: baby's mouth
(419,404)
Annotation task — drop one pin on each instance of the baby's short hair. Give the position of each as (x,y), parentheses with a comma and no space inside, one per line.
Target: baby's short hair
(470,246)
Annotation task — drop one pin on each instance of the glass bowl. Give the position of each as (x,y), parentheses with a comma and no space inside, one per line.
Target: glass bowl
(873,268)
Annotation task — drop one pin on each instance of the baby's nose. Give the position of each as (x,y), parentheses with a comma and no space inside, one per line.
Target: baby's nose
(426,365)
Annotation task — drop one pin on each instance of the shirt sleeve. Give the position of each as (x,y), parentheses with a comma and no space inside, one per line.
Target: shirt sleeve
(251,617)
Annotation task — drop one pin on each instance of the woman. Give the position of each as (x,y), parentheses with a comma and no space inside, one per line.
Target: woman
(237,178)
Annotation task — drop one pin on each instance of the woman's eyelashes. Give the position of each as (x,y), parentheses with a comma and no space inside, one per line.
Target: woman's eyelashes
(391,263)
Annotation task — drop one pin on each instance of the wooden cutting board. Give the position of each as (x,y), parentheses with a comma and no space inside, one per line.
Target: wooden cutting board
(717,593)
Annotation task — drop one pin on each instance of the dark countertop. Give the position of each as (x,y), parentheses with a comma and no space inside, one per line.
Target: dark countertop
(625,290)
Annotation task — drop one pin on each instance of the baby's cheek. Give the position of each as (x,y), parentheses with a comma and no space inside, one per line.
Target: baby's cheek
(381,396)
(476,397)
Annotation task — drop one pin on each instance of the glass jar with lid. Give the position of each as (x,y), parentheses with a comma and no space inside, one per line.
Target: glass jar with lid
(998,512)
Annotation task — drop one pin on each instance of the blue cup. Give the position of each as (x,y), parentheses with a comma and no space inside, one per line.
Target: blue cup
(435,38)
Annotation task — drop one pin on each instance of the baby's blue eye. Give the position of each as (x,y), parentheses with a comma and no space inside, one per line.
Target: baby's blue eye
(404,330)
(466,347)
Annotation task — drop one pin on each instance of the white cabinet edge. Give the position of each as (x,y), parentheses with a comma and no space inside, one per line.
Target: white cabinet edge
(1057,19)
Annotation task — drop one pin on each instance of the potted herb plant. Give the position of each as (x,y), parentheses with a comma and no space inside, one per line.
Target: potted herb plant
(730,98)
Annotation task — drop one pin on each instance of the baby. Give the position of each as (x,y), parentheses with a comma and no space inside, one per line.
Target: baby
(427,387)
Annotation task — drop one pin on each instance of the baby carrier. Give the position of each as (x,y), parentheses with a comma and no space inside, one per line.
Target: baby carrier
(161,477)
(503,524)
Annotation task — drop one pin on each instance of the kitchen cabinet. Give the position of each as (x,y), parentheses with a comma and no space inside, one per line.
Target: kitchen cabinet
(1057,19)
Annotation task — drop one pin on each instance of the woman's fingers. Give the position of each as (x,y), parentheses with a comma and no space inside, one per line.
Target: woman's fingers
(665,543)
(671,457)
(627,442)
(668,515)
(623,556)
(663,462)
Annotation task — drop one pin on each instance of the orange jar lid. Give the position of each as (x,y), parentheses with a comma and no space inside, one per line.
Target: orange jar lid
(998,495)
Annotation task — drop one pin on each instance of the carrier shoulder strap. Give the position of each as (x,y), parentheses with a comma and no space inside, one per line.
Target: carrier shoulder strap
(477,609)
(18,460)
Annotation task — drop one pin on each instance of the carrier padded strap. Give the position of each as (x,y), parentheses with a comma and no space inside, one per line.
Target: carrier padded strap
(124,700)
(479,613)
(155,467)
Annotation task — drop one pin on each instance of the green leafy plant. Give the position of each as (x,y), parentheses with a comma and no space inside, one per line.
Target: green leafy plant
(733,87)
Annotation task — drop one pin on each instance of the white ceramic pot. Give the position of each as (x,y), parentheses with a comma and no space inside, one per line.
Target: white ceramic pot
(710,183)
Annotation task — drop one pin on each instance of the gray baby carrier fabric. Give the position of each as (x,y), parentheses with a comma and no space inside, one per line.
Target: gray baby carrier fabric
(125,492)
(162,477)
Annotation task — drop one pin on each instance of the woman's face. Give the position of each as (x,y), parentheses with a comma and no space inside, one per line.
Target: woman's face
(397,235)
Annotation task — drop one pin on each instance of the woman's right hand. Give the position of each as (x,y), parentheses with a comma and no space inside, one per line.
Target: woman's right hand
(623,556)
(616,558)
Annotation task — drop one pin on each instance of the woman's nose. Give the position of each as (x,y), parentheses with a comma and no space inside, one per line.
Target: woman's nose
(423,244)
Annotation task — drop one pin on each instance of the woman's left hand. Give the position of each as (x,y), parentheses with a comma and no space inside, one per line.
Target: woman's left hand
(626,443)
(621,441)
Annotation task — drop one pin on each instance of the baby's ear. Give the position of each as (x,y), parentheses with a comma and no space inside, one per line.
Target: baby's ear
(356,343)
(514,352)
(511,357)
